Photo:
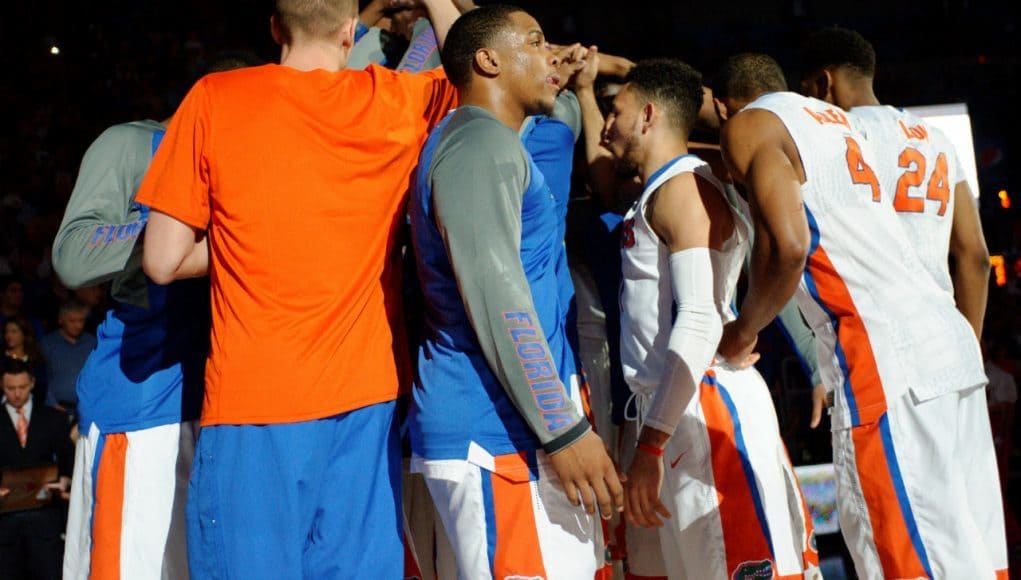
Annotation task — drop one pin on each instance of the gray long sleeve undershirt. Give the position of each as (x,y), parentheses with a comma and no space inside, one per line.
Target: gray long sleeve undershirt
(479,175)
(100,236)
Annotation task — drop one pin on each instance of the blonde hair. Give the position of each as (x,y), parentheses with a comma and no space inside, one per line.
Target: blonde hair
(314,19)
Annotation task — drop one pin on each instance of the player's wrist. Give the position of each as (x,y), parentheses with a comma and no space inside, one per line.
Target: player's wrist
(568,438)
(650,449)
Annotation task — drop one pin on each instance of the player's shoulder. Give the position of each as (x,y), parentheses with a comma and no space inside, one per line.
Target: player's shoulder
(239,75)
(472,136)
(127,135)
(478,127)
(751,127)
(131,129)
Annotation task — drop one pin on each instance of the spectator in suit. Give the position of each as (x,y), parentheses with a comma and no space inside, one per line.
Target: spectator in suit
(20,344)
(31,434)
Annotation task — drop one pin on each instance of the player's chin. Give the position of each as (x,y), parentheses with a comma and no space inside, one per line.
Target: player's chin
(544,106)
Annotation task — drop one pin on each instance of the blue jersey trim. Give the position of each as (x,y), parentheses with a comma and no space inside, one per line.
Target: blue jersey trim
(489,506)
(852,404)
(668,165)
(902,493)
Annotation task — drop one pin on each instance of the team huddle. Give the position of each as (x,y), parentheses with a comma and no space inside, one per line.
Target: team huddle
(240,416)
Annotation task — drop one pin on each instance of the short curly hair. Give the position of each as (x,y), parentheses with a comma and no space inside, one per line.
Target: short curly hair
(469,33)
(747,75)
(671,83)
(838,47)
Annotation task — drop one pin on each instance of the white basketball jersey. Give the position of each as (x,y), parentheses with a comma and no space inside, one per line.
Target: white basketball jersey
(647,299)
(883,326)
(918,169)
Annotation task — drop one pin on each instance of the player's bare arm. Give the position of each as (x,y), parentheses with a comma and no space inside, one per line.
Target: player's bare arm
(173,250)
(968,247)
(442,13)
(601,166)
(760,154)
(687,214)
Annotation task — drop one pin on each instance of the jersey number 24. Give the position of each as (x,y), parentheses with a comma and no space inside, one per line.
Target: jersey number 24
(913,163)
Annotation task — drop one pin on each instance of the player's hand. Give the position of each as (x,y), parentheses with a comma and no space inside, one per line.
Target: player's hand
(62,487)
(736,347)
(4,492)
(589,476)
(820,401)
(570,60)
(395,5)
(465,5)
(642,505)
(585,78)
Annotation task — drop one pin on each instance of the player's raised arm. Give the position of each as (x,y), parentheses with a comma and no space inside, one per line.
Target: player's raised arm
(601,166)
(753,148)
(442,13)
(968,247)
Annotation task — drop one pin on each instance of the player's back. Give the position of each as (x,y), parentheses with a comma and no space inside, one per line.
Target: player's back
(882,324)
(306,173)
(917,168)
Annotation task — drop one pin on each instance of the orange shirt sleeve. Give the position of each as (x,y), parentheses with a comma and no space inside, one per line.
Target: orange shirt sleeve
(178,180)
(438,95)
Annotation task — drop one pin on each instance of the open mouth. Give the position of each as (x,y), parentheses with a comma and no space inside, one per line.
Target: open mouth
(554,80)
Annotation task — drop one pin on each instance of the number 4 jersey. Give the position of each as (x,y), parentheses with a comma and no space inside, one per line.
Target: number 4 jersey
(883,325)
(918,169)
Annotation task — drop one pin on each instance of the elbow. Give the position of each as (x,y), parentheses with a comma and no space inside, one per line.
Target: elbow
(791,255)
(69,275)
(974,258)
(979,259)
(159,271)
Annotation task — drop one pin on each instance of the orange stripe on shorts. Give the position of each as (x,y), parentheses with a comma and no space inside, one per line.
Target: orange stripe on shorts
(897,553)
(517,537)
(743,540)
(108,511)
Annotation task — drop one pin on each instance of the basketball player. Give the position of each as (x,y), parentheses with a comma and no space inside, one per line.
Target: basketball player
(506,454)
(918,168)
(729,495)
(297,172)
(913,464)
(140,391)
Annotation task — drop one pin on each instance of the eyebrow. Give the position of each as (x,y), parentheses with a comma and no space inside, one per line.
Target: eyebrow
(534,31)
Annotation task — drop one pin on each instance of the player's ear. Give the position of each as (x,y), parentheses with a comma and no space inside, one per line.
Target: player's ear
(347,33)
(649,112)
(721,110)
(275,31)
(820,85)
(487,62)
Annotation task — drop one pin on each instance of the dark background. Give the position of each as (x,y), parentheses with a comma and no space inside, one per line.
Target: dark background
(123,60)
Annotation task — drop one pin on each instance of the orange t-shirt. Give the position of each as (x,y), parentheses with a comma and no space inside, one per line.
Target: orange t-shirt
(301,179)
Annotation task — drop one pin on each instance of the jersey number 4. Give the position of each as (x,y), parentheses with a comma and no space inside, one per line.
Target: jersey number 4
(913,162)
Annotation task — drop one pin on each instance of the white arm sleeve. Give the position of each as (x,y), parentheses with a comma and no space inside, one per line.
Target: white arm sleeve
(693,340)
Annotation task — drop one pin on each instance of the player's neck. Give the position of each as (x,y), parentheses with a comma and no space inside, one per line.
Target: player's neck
(314,55)
(860,95)
(659,155)
(493,100)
